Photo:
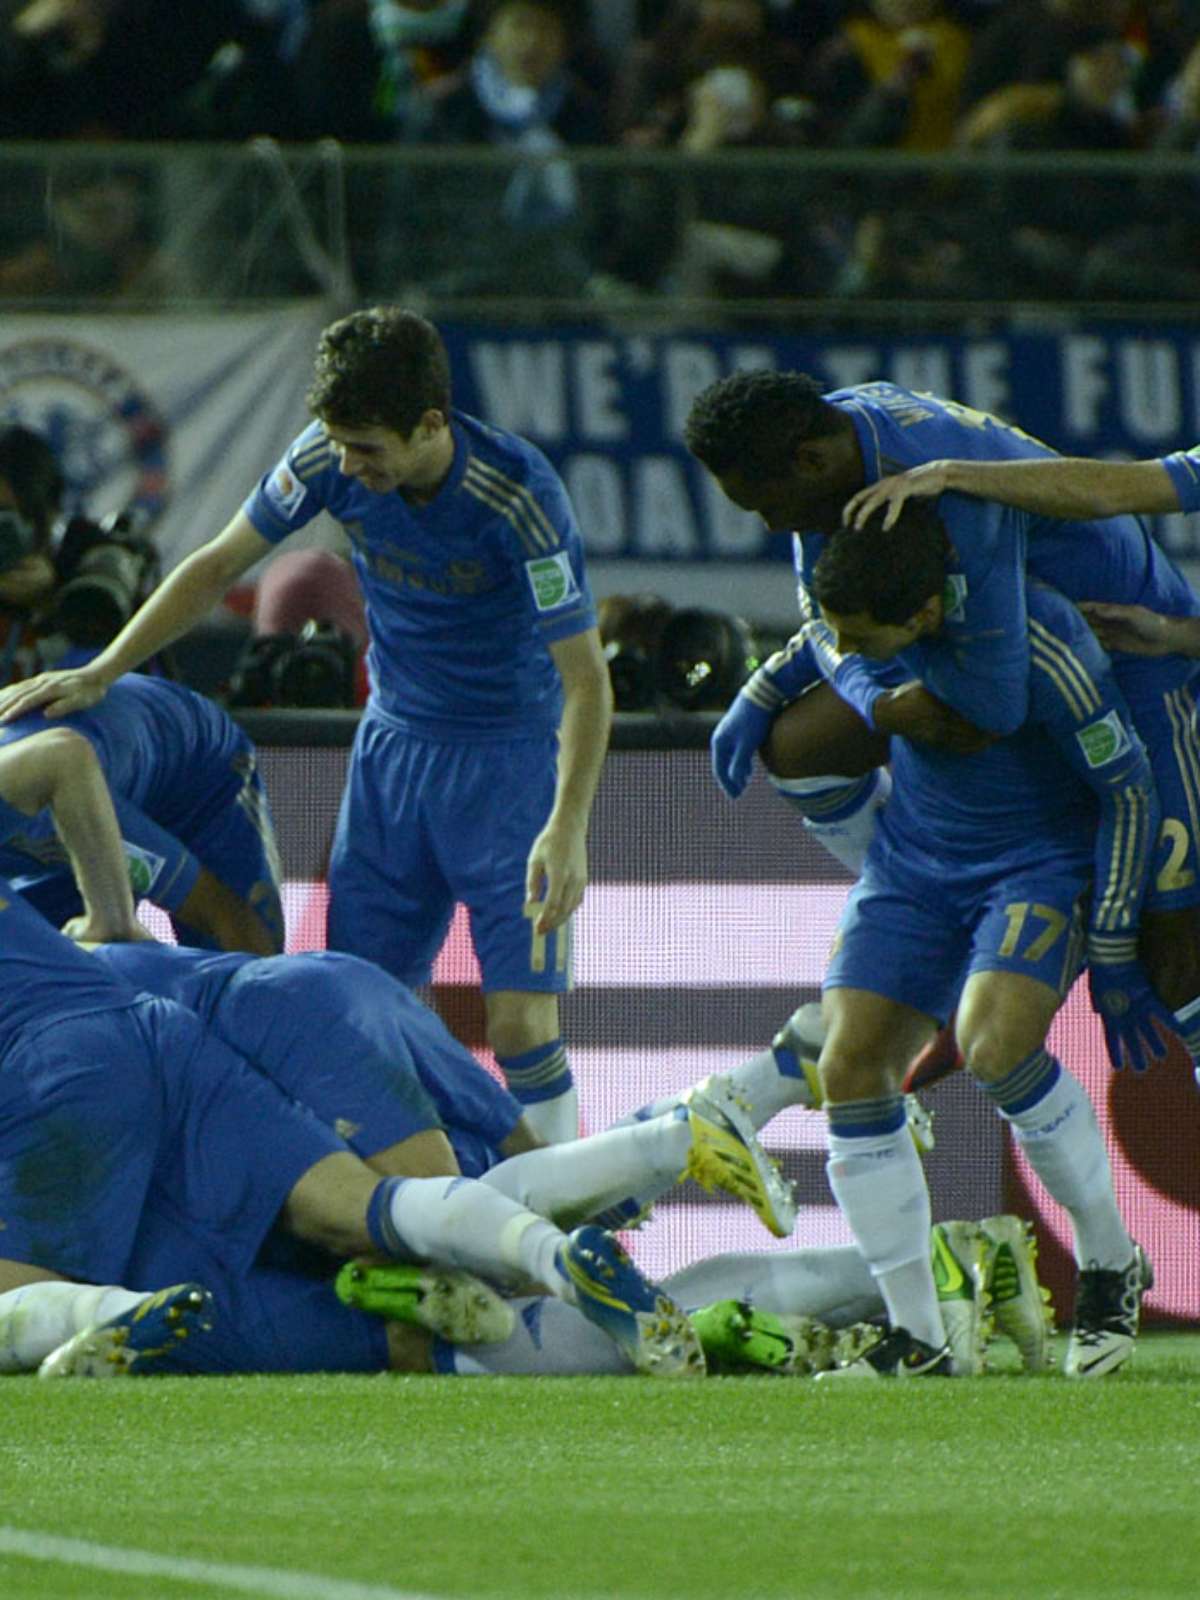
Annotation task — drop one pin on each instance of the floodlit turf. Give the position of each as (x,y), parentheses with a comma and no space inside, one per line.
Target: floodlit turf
(755,1487)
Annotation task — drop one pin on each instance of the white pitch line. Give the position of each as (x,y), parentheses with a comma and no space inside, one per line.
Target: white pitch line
(276,1582)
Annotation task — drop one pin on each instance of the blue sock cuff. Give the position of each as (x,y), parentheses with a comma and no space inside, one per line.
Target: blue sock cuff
(542,1073)
(835,803)
(1029,1081)
(866,1119)
(441,1356)
(380,1226)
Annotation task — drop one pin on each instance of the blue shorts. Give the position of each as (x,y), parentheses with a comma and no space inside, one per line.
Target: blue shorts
(425,824)
(916,939)
(125,1112)
(1165,713)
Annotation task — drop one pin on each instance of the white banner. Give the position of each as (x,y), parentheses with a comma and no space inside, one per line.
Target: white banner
(176,415)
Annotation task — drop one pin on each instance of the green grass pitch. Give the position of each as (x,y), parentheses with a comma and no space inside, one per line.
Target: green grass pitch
(583,1489)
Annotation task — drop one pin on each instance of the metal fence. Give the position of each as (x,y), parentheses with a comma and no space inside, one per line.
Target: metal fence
(802,239)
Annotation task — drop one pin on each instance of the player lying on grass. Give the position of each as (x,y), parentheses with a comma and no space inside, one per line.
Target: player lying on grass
(192,809)
(132,1140)
(791,1313)
(981,866)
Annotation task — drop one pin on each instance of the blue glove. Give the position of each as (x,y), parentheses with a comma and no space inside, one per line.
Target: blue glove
(1138,1027)
(735,741)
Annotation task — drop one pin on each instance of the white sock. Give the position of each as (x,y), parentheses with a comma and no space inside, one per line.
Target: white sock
(464,1223)
(571,1183)
(840,812)
(37,1317)
(550,1338)
(878,1183)
(555,1120)
(1063,1143)
(833,1284)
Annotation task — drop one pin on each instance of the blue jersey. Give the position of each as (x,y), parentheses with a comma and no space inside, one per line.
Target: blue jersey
(44,978)
(463,594)
(1073,785)
(1184,470)
(173,760)
(1106,559)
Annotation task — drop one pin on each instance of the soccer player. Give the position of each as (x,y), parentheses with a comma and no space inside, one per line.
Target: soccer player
(780,447)
(352,1044)
(476,762)
(982,865)
(57,775)
(192,810)
(132,1141)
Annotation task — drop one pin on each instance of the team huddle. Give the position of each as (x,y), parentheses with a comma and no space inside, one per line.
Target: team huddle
(217,1157)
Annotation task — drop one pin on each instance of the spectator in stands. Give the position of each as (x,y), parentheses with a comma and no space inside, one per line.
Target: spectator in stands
(1050,226)
(891,75)
(531,227)
(365,69)
(713,235)
(1020,56)
(652,98)
(114,69)
(1158,258)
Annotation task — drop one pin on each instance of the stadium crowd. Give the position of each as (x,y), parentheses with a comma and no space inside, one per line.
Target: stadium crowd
(540,78)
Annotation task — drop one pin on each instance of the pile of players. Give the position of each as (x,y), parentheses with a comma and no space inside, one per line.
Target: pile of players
(181,1176)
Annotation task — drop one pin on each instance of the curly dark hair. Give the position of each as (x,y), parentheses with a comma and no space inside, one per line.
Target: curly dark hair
(888,576)
(754,422)
(384,367)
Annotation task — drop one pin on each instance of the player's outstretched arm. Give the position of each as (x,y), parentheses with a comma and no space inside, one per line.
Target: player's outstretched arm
(1052,486)
(180,601)
(557,873)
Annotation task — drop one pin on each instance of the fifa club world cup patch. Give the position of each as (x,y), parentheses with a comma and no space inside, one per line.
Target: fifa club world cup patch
(284,489)
(144,867)
(954,597)
(1103,741)
(552,580)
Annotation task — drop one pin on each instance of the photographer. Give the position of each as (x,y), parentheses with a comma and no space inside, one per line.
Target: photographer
(67,586)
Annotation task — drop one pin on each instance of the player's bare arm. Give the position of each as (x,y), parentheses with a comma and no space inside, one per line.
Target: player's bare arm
(59,769)
(557,873)
(1140,631)
(913,713)
(184,598)
(1057,486)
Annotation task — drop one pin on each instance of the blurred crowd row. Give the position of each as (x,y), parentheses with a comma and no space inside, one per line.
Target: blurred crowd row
(540,78)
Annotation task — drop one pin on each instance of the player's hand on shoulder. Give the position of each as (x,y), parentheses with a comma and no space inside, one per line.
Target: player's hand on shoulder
(911,712)
(924,481)
(55,694)
(735,741)
(556,876)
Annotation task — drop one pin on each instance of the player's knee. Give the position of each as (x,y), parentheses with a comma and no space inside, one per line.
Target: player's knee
(992,1050)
